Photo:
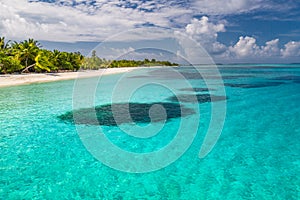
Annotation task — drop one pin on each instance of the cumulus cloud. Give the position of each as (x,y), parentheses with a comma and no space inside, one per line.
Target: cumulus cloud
(246,46)
(271,48)
(206,33)
(204,27)
(291,49)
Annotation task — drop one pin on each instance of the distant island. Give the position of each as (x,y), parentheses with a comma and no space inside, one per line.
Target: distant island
(29,56)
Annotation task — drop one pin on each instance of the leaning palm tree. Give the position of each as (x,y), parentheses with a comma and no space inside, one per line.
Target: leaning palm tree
(27,51)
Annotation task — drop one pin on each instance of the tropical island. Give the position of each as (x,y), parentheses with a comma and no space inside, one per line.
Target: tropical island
(29,56)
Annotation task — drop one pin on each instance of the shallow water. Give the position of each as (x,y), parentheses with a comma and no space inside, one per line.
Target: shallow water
(256,157)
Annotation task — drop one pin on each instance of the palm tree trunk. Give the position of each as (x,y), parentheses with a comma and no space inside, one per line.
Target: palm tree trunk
(26,68)
(26,62)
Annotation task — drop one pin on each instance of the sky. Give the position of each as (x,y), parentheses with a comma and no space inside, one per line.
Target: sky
(230,31)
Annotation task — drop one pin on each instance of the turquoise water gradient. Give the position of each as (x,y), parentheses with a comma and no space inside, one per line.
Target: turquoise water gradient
(256,157)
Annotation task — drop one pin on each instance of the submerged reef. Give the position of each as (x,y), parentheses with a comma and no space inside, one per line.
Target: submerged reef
(198,98)
(253,85)
(197,89)
(287,78)
(120,113)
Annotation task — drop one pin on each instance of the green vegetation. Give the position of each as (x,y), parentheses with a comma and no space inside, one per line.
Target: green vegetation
(28,56)
(94,62)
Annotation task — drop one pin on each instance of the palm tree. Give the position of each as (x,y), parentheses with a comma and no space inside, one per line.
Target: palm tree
(42,62)
(77,60)
(3,45)
(55,59)
(28,56)
(26,51)
(9,63)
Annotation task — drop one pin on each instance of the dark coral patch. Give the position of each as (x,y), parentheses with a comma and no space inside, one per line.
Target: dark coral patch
(137,113)
(236,76)
(176,73)
(293,78)
(254,85)
(288,78)
(297,81)
(197,89)
(198,98)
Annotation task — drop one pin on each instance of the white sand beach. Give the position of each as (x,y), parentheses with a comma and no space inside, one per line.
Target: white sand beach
(22,79)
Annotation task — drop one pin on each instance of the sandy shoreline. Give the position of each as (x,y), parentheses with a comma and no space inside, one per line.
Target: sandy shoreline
(23,79)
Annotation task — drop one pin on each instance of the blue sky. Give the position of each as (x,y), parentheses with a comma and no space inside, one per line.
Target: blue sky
(229,30)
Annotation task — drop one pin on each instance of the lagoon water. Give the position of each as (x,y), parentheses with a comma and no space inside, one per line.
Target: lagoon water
(256,157)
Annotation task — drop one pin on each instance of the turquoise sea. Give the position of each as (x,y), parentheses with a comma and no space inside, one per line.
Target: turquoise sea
(257,155)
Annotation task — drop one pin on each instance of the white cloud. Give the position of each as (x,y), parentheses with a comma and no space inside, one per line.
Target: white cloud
(206,33)
(44,21)
(246,46)
(271,48)
(203,26)
(218,48)
(114,53)
(221,7)
(229,7)
(79,20)
(291,49)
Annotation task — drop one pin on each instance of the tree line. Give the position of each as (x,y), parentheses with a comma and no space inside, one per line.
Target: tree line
(94,62)
(29,56)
